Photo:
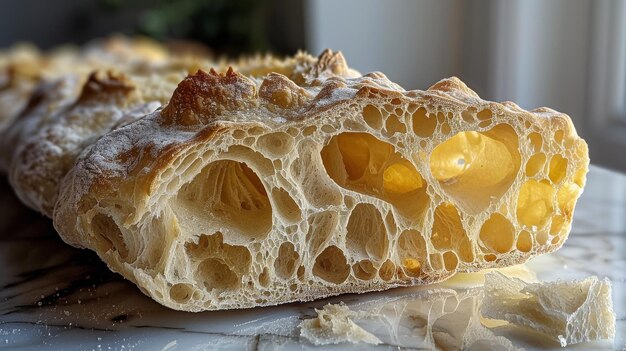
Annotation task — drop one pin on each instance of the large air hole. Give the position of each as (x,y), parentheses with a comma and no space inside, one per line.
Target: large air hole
(394,125)
(181,292)
(450,260)
(373,117)
(362,163)
(220,266)
(226,196)
(367,236)
(558,168)
(476,168)
(264,277)
(534,203)
(364,270)
(535,164)
(448,233)
(111,238)
(331,265)
(387,270)
(412,252)
(215,274)
(497,234)
(285,263)
(276,144)
(524,241)
(536,141)
(424,124)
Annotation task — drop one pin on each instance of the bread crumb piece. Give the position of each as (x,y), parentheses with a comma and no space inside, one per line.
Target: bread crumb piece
(479,337)
(333,325)
(570,312)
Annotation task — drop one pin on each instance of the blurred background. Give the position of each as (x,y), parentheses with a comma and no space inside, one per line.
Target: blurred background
(566,54)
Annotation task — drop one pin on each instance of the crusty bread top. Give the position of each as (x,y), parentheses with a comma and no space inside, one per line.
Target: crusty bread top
(23,68)
(41,146)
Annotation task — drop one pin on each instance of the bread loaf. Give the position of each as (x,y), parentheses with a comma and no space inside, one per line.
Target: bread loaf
(318,181)
(24,68)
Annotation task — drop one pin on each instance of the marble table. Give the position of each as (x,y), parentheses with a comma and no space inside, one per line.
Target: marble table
(55,297)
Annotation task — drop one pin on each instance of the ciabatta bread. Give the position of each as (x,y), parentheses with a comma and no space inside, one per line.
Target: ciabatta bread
(67,115)
(23,68)
(46,142)
(37,87)
(246,192)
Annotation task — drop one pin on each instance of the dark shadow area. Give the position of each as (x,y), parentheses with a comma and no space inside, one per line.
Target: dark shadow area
(228,27)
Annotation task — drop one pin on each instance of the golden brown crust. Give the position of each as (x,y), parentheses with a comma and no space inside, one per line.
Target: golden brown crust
(202,97)
(282,92)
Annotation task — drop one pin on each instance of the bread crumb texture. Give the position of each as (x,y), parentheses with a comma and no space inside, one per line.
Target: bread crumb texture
(258,190)
(570,312)
(264,181)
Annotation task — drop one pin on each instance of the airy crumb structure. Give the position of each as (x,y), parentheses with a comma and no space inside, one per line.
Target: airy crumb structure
(570,312)
(318,181)
(333,325)
(291,180)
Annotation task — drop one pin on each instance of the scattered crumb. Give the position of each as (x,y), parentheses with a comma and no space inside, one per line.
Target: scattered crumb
(333,325)
(170,346)
(570,312)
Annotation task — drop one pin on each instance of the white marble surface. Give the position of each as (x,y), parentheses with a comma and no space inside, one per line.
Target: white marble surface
(54,297)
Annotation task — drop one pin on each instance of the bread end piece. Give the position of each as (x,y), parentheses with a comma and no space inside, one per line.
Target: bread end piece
(571,312)
(333,325)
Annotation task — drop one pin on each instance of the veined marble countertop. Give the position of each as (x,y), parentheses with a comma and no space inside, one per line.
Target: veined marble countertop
(55,297)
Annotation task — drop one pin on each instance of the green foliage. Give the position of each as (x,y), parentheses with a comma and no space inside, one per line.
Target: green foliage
(228,26)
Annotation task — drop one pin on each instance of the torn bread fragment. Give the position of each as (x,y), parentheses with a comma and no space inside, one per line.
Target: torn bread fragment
(441,319)
(479,337)
(334,325)
(571,312)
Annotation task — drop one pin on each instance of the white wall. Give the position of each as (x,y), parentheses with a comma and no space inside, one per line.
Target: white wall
(542,54)
(413,45)
(533,52)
